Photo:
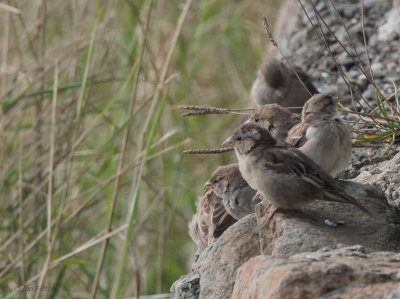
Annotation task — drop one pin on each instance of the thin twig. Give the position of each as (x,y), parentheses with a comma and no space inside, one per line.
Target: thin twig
(350,38)
(365,41)
(361,68)
(325,43)
(271,38)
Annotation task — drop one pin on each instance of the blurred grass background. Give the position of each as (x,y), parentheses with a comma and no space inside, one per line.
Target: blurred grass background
(95,193)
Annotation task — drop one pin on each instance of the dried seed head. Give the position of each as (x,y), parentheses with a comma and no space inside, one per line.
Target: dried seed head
(269,32)
(208,151)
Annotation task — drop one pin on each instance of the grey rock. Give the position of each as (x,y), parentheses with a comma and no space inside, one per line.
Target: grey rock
(368,94)
(387,178)
(347,273)
(305,230)
(213,273)
(221,260)
(378,69)
(394,294)
(390,30)
(186,287)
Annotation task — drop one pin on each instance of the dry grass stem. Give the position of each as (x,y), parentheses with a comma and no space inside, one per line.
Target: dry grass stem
(270,36)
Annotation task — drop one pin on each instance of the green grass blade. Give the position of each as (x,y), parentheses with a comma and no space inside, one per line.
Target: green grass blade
(131,212)
(380,104)
(86,71)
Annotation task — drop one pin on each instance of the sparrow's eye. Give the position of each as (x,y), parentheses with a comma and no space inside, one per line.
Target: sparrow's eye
(215,181)
(256,119)
(238,138)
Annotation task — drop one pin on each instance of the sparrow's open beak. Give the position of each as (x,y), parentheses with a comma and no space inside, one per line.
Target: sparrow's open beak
(336,101)
(247,121)
(229,142)
(208,185)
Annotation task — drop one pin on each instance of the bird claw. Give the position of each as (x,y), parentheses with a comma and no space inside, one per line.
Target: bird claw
(267,207)
(272,213)
(257,197)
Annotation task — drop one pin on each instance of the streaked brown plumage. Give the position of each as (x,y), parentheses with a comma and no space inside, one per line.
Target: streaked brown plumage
(283,175)
(210,221)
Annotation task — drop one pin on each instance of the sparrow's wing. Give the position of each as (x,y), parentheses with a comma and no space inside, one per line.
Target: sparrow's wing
(220,219)
(213,219)
(293,162)
(297,135)
(203,220)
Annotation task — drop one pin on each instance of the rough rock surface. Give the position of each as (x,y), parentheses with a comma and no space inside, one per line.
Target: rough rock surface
(346,273)
(297,255)
(380,17)
(305,230)
(217,264)
(385,175)
(214,272)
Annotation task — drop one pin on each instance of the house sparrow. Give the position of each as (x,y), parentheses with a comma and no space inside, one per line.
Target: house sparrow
(284,176)
(321,136)
(210,221)
(236,194)
(276,119)
(277,83)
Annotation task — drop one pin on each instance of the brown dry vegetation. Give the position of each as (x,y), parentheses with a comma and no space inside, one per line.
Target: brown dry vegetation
(87,120)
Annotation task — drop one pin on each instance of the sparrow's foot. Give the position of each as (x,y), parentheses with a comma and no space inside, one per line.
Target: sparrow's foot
(257,197)
(273,212)
(267,207)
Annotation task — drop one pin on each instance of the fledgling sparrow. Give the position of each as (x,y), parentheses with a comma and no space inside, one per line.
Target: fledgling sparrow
(322,136)
(277,83)
(276,119)
(284,176)
(210,221)
(236,194)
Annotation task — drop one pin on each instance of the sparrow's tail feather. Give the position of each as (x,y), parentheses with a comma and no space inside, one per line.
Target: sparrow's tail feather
(344,198)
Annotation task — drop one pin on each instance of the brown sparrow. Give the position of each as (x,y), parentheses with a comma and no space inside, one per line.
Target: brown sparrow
(236,194)
(210,221)
(276,119)
(277,83)
(283,175)
(321,136)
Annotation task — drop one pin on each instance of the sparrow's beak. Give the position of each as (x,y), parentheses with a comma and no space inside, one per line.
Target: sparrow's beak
(208,185)
(228,142)
(247,121)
